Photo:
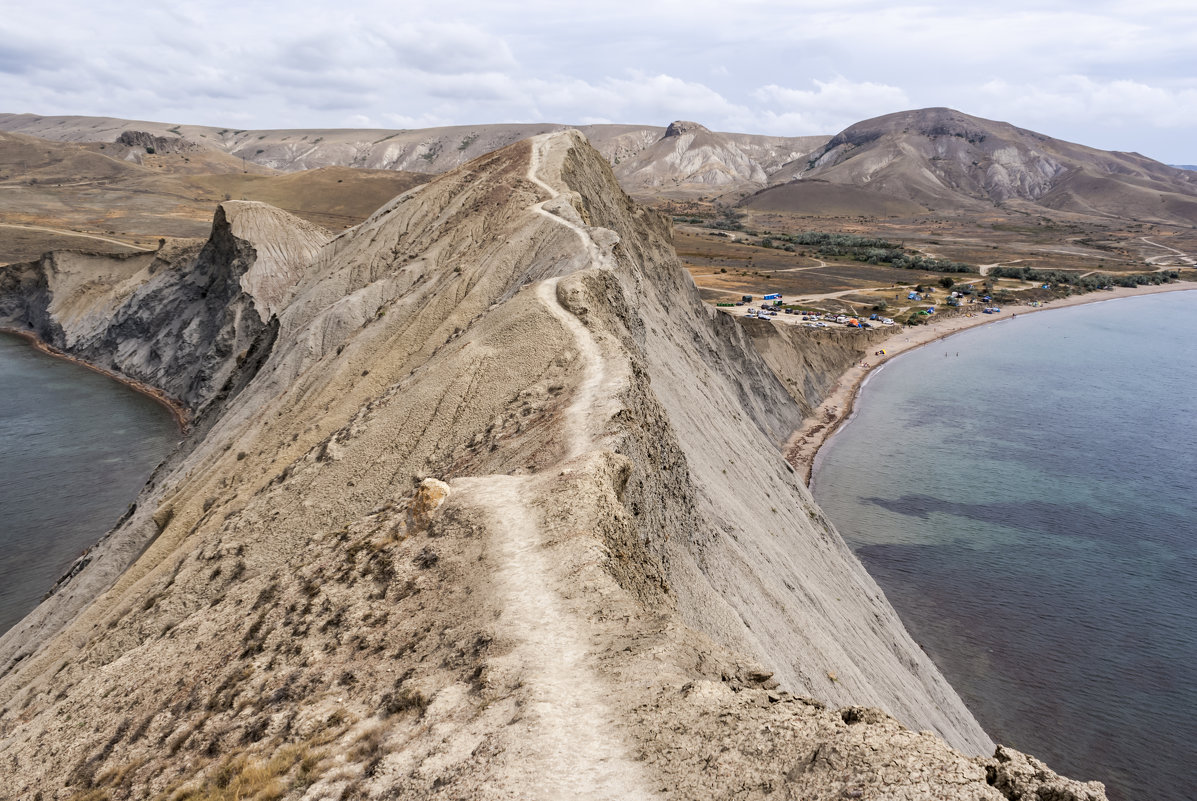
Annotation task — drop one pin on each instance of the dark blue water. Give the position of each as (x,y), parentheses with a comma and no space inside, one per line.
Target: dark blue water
(75,448)
(1030,508)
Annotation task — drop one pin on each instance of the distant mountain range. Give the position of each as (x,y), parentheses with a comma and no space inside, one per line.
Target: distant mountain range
(906,163)
(682,159)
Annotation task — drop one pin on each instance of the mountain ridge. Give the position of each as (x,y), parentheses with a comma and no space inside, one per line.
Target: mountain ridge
(435,150)
(906,162)
(490,511)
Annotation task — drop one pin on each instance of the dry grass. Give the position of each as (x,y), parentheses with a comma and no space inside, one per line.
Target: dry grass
(245,777)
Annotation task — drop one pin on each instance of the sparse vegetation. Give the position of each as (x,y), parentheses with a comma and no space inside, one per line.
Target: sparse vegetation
(242,776)
(403,700)
(1084,282)
(866,249)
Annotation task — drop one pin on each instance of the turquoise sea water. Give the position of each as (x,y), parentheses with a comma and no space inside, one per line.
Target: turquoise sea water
(1026,495)
(75,448)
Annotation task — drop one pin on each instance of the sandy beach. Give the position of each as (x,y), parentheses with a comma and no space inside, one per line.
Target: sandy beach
(803,445)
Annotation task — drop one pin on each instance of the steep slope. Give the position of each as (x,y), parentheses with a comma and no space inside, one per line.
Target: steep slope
(941,158)
(176,319)
(488,521)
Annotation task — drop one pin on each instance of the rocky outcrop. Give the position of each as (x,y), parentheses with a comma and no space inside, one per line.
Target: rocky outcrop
(181,319)
(680,127)
(151,144)
(500,514)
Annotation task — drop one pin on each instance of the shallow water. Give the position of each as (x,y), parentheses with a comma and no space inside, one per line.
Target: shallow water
(1030,508)
(75,448)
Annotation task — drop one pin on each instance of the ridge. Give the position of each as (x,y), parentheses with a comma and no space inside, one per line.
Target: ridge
(494,507)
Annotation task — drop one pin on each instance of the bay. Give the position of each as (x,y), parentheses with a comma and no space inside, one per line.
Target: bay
(75,448)
(1026,495)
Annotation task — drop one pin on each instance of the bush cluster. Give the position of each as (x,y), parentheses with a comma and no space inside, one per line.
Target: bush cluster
(864,249)
(1085,283)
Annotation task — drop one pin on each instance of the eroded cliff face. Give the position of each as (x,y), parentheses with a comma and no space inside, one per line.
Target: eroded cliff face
(809,362)
(499,514)
(183,319)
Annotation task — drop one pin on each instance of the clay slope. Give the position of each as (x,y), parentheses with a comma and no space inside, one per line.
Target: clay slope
(690,159)
(940,158)
(499,515)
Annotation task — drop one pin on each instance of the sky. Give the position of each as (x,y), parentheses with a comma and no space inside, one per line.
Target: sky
(1112,75)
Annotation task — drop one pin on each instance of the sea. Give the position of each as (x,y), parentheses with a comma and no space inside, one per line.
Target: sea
(75,448)
(1025,493)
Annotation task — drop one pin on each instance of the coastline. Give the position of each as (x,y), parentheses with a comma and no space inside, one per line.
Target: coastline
(802,447)
(177,410)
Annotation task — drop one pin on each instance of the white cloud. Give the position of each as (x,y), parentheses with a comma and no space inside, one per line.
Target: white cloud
(1077,98)
(830,106)
(1091,71)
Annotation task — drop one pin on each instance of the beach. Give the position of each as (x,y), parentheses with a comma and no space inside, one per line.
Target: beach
(803,445)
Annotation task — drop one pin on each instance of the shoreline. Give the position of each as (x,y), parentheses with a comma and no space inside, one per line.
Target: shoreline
(801,448)
(177,410)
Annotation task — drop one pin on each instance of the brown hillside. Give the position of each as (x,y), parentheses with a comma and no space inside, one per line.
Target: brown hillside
(67,195)
(821,198)
(943,159)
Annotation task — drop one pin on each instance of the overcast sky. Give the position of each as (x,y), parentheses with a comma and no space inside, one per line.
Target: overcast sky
(1114,75)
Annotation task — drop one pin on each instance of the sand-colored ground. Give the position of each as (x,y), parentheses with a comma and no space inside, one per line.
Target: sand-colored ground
(804,444)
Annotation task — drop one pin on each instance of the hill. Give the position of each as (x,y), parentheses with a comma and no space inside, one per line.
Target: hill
(689,159)
(480,501)
(933,159)
(945,160)
(822,198)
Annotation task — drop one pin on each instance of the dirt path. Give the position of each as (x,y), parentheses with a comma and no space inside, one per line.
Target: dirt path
(63,232)
(586,395)
(1179,255)
(557,209)
(569,746)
